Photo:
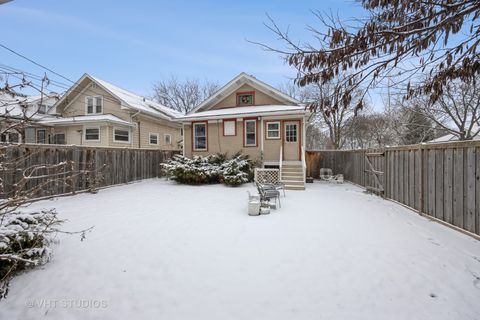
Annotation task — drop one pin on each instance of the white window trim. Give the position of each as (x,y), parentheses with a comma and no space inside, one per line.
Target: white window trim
(165,138)
(194,136)
(90,140)
(94,107)
(150,134)
(245,132)
(268,131)
(123,129)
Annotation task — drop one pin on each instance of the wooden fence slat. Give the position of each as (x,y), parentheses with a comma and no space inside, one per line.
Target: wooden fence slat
(108,166)
(439,175)
(448,186)
(470,190)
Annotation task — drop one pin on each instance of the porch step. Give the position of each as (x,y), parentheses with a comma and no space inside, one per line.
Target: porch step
(294,187)
(292,176)
(296,177)
(293,182)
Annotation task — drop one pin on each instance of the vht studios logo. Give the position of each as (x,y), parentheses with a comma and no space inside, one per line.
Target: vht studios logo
(66,303)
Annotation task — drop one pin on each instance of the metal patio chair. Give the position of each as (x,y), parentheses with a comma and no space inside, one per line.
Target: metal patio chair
(268,192)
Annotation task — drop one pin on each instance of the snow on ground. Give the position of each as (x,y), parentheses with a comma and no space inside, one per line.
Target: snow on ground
(165,251)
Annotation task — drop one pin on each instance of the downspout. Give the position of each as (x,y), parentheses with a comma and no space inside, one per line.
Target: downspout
(138,126)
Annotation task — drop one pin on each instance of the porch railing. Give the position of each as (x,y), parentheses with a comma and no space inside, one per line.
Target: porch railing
(280,163)
(304,164)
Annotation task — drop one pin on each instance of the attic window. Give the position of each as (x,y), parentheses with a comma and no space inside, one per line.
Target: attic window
(246,98)
(94,105)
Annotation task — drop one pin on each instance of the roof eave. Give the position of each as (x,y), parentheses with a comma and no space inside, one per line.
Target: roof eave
(244,115)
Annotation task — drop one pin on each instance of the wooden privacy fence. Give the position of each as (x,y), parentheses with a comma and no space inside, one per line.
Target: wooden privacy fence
(438,180)
(81,167)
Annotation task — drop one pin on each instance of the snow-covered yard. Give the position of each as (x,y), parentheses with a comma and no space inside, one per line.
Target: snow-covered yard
(165,251)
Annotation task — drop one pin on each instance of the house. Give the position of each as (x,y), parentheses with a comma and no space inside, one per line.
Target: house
(94,112)
(450,137)
(18,111)
(249,116)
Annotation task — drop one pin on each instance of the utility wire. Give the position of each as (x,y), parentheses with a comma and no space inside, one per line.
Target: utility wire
(35,63)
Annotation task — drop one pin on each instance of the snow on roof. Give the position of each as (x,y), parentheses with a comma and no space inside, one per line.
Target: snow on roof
(450,137)
(16,107)
(86,119)
(137,102)
(45,97)
(242,111)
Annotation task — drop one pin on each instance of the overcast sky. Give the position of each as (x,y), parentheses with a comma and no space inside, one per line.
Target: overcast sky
(134,43)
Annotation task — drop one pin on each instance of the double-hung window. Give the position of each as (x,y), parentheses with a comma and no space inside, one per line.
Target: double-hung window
(154,138)
(200,136)
(92,134)
(58,138)
(94,105)
(250,127)
(273,130)
(121,135)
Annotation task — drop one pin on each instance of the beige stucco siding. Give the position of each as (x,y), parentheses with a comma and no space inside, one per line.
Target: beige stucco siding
(110,104)
(76,135)
(217,142)
(260,98)
(147,126)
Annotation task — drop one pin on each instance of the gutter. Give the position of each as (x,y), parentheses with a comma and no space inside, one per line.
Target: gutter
(239,115)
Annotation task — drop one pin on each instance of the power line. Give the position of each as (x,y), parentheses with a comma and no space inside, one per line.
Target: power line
(34,62)
(70,89)
(56,73)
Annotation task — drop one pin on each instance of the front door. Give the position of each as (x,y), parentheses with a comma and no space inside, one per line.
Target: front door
(291,142)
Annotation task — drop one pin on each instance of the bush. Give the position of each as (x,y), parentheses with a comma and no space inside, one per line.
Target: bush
(214,168)
(24,242)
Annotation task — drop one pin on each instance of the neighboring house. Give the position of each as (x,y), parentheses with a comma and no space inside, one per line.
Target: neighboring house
(94,112)
(43,104)
(249,116)
(452,137)
(18,111)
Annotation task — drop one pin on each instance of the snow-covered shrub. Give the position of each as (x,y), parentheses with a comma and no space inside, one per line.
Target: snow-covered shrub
(24,242)
(198,170)
(236,171)
(209,169)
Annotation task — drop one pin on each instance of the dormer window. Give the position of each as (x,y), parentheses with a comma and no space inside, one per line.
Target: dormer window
(94,105)
(245,98)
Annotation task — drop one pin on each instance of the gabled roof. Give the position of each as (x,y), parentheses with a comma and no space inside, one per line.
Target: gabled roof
(16,107)
(45,97)
(128,99)
(236,83)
